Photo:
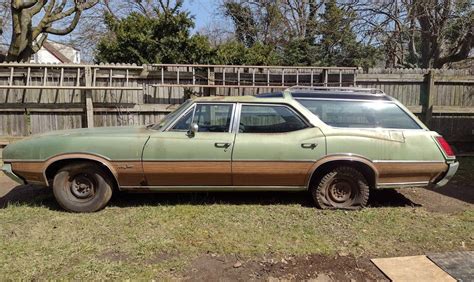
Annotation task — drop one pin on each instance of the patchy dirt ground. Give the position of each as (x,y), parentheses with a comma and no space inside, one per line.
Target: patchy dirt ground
(310,267)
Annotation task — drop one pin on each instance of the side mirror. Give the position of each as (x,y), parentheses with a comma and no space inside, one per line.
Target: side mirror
(192,129)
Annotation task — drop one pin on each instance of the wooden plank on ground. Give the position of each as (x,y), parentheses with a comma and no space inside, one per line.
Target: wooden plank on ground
(412,268)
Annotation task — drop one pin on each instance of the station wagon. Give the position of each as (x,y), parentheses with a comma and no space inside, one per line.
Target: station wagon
(336,143)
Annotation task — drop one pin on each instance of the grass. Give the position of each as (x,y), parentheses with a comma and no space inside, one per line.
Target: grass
(158,235)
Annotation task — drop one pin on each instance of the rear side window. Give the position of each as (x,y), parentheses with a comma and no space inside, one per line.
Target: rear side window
(359,114)
(269,119)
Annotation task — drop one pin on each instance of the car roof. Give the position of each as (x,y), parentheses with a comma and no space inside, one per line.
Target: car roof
(241,99)
(349,93)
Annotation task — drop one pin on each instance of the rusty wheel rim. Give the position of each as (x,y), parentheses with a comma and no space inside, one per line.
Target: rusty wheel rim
(341,191)
(82,187)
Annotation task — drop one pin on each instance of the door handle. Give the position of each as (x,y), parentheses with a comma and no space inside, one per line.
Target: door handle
(222,145)
(309,145)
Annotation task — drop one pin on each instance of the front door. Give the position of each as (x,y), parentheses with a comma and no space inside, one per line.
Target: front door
(176,158)
(275,147)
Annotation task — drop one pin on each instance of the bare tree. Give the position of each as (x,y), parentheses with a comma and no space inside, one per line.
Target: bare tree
(57,18)
(429,33)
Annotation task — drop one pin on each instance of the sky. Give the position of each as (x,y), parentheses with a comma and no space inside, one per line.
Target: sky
(204,11)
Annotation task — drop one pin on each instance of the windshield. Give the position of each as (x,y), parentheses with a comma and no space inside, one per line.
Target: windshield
(168,118)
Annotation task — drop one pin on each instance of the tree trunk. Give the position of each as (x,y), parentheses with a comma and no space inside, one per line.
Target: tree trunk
(19,50)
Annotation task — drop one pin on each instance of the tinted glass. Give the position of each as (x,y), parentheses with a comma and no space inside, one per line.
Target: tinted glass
(213,117)
(184,122)
(269,119)
(360,114)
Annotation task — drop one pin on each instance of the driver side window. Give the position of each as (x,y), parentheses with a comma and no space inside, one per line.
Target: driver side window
(209,118)
(213,117)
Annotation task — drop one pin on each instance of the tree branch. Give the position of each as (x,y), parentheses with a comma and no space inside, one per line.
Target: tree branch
(19,4)
(68,29)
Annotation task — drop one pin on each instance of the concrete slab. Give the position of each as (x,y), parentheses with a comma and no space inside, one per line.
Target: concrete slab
(412,268)
(459,265)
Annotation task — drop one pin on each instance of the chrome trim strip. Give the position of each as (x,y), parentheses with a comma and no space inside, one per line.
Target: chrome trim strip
(236,125)
(212,188)
(406,161)
(403,184)
(183,161)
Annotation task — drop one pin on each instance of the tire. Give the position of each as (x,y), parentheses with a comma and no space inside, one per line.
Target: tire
(341,188)
(82,187)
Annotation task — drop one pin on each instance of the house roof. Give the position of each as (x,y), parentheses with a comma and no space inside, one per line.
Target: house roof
(55,52)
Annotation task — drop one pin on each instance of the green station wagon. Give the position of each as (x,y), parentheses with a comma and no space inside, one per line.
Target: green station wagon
(337,143)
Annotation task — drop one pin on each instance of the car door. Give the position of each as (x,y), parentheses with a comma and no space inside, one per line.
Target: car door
(274,147)
(176,158)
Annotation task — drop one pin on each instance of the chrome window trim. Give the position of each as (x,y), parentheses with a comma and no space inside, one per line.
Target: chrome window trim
(236,124)
(297,113)
(394,102)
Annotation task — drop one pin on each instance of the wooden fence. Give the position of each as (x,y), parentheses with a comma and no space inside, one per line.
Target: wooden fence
(40,98)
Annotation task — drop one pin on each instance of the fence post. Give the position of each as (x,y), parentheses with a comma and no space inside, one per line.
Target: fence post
(89,107)
(428,101)
(211,80)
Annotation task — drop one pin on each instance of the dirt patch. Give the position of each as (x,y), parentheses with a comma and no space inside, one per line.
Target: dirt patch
(319,267)
(434,200)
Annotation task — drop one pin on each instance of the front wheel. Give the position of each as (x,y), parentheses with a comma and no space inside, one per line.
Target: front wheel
(341,188)
(82,187)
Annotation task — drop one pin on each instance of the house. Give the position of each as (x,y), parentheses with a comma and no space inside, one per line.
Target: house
(56,53)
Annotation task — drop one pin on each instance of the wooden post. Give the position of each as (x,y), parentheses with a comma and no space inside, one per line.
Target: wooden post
(211,80)
(429,97)
(89,108)
(325,77)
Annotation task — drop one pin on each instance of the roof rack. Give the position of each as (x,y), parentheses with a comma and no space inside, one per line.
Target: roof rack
(342,89)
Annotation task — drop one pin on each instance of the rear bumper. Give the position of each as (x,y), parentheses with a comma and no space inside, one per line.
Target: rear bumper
(7,169)
(453,167)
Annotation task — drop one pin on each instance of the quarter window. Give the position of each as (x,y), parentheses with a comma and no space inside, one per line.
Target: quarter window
(184,122)
(357,114)
(269,119)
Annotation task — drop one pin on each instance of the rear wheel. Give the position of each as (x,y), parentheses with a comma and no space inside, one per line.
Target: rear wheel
(341,188)
(82,187)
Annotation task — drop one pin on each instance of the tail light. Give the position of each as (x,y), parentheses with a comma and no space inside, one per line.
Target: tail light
(445,146)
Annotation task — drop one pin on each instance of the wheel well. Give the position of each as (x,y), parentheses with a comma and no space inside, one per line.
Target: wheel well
(366,170)
(53,168)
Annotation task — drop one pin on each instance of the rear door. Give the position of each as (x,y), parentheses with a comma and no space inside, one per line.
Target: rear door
(274,146)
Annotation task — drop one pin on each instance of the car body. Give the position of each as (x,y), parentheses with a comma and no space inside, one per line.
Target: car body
(299,139)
